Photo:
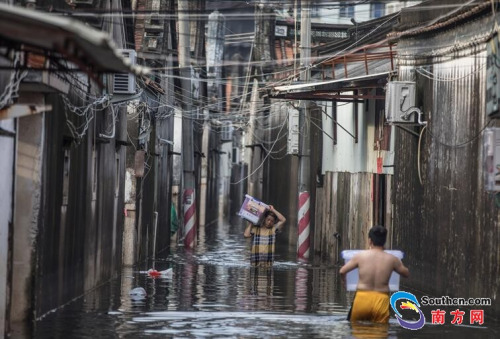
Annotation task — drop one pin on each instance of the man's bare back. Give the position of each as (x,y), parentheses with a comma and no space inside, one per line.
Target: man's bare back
(375,268)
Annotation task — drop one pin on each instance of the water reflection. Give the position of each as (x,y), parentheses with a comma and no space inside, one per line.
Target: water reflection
(369,330)
(214,292)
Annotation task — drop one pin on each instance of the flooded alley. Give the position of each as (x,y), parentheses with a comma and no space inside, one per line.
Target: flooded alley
(215,293)
(132,133)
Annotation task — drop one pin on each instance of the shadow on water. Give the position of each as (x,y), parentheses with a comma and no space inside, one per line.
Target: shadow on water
(214,293)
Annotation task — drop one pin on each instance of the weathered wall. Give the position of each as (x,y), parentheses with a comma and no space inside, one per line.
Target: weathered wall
(154,187)
(7,154)
(27,202)
(80,228)
(280,176)
(355,193)
(447,225)
(344,213)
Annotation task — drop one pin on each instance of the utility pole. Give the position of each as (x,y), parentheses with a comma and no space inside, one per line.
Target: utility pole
(304,219)
(214,57)
(254,180)
(189,193)
(260,53)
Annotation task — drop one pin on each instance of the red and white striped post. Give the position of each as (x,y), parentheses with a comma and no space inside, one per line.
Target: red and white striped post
(304,226)
(189,204)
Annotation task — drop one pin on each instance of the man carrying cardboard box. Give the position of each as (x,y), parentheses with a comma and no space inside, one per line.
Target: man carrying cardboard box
(264,237)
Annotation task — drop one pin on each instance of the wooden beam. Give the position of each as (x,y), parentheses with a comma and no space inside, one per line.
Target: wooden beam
(18,111)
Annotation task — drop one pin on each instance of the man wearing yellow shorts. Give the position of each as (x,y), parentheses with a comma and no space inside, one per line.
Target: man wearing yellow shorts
(371,301)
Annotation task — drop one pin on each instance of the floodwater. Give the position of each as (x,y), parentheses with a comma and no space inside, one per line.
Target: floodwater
(214,293)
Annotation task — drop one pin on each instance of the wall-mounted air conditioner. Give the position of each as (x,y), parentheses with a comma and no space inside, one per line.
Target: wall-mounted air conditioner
(399,100)
(124,83)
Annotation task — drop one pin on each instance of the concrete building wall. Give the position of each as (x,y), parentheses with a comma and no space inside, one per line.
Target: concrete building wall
(7,151)
(336,12)
(355,193)
(280,179)
(27,212)
(345,213)
(447,223)
(346,155)
(79,237)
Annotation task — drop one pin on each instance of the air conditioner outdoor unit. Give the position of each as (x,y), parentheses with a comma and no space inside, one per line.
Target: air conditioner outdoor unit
(399,102)
(124,83)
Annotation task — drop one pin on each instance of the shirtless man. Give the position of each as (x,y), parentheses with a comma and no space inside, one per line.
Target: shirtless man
(371,301)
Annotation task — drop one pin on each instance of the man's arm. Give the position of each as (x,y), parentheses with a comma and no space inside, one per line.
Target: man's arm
(400,268)
(247,233)
(281,218)
(348,267)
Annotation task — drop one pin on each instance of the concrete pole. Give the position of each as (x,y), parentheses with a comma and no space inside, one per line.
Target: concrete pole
(189,193)
(254,186)
(303,242)
(7,185)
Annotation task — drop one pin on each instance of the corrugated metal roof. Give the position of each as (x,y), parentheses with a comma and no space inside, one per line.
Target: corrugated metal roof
(337,81)
(90,49)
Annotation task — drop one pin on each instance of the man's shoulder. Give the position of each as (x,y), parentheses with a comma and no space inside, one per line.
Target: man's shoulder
(371,255)
(363,253)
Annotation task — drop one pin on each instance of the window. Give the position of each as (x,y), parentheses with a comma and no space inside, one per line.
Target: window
(377,10)
(346,11)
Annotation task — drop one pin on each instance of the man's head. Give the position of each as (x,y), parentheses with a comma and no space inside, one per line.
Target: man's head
(269,219)
(378,235)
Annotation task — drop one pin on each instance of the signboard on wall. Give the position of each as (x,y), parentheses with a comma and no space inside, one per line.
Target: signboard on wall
(280,30)
(491,158)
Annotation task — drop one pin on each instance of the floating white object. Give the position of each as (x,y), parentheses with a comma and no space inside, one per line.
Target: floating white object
(353,276)
(166,273)
(160,274)
(137,293)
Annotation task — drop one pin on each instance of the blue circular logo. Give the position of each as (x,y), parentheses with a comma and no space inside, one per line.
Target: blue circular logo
(410,302)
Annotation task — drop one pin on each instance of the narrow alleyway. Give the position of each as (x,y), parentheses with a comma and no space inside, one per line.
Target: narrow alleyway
(215,293)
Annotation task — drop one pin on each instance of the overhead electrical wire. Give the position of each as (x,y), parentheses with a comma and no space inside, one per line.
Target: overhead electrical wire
(265,158)
(85,109)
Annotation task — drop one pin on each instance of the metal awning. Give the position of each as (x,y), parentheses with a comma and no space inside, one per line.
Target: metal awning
(331,89)
(91,50)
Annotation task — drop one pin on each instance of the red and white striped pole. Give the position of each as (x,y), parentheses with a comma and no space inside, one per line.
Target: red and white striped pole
(304,226)
(189,204)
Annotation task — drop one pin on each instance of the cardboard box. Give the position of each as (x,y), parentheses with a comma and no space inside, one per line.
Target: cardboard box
(253,210)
